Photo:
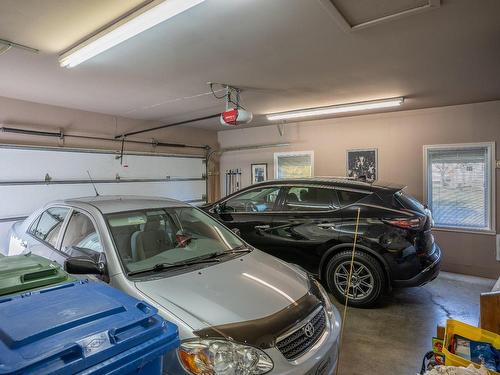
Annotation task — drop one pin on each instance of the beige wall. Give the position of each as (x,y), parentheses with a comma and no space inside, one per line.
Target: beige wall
(18,113)
(399,138)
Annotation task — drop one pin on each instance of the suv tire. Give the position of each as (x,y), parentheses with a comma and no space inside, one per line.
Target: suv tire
(368,280)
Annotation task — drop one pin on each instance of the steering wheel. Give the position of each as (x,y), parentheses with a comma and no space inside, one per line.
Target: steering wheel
(251,207)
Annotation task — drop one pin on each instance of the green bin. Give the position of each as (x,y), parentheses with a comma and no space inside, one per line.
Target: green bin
(22,273)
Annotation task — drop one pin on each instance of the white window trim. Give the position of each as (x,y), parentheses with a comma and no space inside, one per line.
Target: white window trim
(292,153)
(492,189)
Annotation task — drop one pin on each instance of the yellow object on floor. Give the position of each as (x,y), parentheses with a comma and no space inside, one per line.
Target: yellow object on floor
(454,327)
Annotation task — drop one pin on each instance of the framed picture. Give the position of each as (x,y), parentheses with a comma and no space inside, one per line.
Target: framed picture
(362,164)
(259,172)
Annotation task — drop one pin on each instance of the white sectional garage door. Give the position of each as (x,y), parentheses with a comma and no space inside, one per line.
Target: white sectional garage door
(31,177)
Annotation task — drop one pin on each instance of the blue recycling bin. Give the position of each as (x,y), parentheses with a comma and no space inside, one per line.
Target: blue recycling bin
(82,327)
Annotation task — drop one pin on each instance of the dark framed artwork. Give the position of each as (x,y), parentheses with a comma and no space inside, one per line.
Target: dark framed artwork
(362,164)
(259,172)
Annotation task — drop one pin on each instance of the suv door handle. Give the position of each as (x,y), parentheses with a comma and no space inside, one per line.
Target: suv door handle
(327,225)
(262,227)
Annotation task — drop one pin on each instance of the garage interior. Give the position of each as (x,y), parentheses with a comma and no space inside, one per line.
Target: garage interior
(411,86)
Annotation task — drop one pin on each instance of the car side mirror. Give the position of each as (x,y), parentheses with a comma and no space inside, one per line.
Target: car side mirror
(83,266)
(219,208)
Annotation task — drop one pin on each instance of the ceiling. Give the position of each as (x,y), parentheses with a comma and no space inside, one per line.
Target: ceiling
(286,54)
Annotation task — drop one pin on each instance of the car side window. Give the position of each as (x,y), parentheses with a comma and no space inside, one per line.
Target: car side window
(81,237)
(347,197)
(308,198)
(256,200)
(48,225)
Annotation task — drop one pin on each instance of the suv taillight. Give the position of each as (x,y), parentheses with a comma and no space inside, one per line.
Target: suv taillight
(408,223)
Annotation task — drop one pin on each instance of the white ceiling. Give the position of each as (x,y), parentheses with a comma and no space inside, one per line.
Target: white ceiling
(288,53)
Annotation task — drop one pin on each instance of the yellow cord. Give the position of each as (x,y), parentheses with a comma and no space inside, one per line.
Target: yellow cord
(344,315)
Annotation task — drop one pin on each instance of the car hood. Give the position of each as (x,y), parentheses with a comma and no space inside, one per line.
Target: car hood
(251,286)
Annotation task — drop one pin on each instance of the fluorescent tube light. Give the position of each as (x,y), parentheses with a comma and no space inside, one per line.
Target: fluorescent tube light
(135,23)
(340,108)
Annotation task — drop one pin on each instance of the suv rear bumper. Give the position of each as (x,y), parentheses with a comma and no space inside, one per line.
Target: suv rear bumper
(429,273)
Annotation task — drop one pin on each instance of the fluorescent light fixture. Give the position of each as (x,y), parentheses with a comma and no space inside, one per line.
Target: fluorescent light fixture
(340,108)
(141,20)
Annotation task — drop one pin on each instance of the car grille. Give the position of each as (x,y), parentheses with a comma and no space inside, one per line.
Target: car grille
(296,343)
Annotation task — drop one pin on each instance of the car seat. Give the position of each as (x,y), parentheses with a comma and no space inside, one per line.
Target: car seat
(148,242)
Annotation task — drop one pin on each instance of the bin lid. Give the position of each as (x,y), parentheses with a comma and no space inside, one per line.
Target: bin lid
(20,273)
(71,327)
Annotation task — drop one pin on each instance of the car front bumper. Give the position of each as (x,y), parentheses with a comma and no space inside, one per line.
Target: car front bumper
(429,272)
(321,359)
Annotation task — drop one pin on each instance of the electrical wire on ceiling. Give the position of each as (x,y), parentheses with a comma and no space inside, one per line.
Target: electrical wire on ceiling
(173,100)
(232,94)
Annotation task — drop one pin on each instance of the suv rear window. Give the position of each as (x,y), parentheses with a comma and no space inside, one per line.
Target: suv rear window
(347,197)
(408,202)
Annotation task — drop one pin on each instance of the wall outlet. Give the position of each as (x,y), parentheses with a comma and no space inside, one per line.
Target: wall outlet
(498,247)
(498,163)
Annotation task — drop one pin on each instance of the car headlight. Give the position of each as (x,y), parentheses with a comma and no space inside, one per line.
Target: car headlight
(222,357)
(324,296)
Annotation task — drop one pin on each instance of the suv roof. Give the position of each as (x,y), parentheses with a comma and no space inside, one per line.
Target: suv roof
(336,181)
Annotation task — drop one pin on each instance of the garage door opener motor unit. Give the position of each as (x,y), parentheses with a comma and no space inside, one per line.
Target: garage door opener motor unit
(235,113)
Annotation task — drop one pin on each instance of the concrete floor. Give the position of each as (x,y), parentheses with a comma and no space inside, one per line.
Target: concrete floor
(392,338)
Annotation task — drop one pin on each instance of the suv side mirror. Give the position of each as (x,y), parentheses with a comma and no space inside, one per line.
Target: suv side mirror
(83,266)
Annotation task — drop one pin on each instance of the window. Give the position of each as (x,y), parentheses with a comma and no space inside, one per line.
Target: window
(302,198)
(460,185)
(255,200)
(293,164)
(172,235)
(48,225)
(81,235)
(347,197)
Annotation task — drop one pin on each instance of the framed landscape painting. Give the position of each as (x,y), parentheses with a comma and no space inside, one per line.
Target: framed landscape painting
(362,164)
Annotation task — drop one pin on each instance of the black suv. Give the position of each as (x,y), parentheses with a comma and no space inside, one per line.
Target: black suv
(311,222)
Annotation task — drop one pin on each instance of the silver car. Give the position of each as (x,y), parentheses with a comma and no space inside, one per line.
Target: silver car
(239,310)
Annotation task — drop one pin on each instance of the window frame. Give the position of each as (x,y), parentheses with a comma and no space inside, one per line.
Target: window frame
(62,230)
(292,153)
(278,207)
(491,204)
(285,191)
(66,225)
(241,192)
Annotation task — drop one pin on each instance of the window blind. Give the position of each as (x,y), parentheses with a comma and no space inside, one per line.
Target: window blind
(458,187)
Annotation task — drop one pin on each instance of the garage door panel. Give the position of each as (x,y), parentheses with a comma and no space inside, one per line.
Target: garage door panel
(33,164)
(23,188)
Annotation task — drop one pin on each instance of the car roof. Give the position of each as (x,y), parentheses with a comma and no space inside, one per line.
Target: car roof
(119,203)
(336,181)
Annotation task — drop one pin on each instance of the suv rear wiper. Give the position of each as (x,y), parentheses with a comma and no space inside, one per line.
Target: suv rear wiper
(163,266)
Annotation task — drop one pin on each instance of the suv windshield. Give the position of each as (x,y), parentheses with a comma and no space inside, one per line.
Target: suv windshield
(174,235)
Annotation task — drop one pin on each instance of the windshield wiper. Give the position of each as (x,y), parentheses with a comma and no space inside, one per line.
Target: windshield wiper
(239,249)
(163,266)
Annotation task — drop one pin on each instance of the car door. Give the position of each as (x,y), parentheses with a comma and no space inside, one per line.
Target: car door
(81,238)
(350,200)
(307,219)
(43,235)
(250,213)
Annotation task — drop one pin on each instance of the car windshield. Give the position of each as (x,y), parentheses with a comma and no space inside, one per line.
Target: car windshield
(174,235)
